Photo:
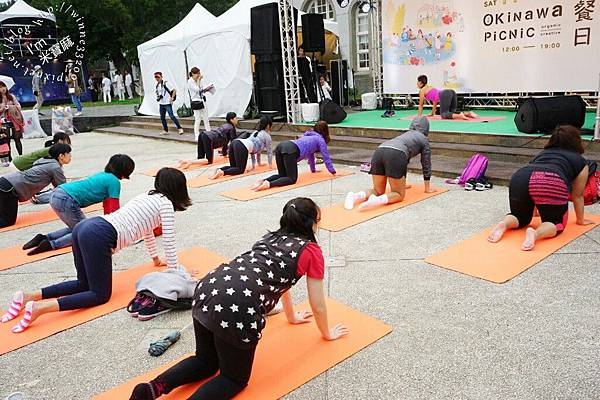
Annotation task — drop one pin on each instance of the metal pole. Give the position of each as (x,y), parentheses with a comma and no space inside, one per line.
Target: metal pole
(287,30)
(597,128)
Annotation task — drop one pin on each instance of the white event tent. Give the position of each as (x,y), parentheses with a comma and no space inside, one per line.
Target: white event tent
(220,47)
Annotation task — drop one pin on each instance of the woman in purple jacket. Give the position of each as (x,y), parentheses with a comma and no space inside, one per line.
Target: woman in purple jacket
(288,153)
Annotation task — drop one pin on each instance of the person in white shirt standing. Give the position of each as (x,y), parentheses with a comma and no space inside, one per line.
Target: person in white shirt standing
(120,86)
(128,83)
(198,105)
(324,91)
(165,96)
(106,84)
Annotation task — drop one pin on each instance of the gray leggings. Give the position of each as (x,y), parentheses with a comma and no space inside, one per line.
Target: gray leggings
(448,103)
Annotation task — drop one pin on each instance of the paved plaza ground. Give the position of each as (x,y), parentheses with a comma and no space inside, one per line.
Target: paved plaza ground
(454,337)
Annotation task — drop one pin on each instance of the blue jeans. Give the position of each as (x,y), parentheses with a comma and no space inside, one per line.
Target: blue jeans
(69,212)
(77,102)
(164,109)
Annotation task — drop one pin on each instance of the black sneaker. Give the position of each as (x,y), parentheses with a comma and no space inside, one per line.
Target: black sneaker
(153,309)
(483,184)
(139,301)
(35,242)
(470,184)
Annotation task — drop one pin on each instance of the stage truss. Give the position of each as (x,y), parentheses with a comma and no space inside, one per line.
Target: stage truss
(287,29)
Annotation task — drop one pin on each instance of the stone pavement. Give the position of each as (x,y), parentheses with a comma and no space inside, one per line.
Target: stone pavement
(455,337)
(99,111)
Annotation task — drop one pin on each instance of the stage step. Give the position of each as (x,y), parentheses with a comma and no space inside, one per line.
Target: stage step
(444,166)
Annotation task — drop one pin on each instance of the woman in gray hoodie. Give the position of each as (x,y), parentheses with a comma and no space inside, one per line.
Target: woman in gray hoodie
(390,164)
(21,186)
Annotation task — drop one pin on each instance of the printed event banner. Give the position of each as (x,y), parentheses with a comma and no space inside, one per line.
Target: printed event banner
(487,46)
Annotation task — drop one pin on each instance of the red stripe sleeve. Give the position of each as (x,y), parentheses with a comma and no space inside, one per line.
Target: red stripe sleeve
(311,262)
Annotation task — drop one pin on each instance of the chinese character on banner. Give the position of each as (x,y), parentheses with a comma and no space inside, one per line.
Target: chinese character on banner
(66,43)
(55,50)
(584,10)
(582,36)
(45,57)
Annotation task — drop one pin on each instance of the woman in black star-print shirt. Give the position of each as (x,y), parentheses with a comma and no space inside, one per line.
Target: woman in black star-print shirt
(230,302)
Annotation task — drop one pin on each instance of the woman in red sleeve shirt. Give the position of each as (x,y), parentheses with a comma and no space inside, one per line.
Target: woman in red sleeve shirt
(230,303)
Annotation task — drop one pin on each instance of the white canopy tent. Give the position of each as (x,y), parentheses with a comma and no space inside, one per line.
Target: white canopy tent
(20,9)
(220,47)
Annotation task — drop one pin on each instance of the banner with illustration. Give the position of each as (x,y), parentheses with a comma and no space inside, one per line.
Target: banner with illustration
(492,46)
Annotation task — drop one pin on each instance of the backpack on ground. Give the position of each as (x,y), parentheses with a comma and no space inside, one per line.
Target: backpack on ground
(475,169)
(591,194)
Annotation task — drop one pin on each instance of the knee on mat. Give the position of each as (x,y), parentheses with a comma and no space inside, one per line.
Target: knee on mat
(102,298)
(524,221)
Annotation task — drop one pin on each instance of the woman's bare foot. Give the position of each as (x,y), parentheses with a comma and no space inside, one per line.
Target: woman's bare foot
(529,242)
(471,114)
(462,116)
(497,233)
(263,186)
(217,174)
(256,185)
(183,165)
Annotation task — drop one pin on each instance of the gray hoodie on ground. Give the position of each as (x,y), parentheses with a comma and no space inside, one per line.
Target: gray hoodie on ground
(414,142)
(44,172)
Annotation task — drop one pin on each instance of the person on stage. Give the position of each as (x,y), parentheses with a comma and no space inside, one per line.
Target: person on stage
(307,86)
(446,98)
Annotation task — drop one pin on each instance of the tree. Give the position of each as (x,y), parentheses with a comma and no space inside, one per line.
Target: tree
(114,28)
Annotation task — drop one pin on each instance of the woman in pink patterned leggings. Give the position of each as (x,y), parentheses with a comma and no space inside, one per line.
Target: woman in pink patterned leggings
(545,184)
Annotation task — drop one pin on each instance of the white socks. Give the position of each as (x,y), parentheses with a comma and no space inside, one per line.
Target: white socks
(373,202)
(352,198)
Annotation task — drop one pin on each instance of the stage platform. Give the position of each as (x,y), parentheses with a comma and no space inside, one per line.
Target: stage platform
(505,126)
(355,139)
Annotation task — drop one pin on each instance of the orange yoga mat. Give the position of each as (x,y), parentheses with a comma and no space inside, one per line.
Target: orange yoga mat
(41,217)
(216,161)
(502,261)
(336,218)
(304,179)
(287,356)
(14,256)
(202,180)
(196,260)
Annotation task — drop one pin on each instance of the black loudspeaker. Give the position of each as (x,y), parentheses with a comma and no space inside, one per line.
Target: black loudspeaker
(264,29)
(331,112)
(339,82)
(270,90)
(313,33)
(544,114)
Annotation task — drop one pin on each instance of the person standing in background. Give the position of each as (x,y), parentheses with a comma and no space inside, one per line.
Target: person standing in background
(165,96)
(74,91)
(37,84)
(92,87)
(106,84)
(120,86)
(196,91)
(128,83)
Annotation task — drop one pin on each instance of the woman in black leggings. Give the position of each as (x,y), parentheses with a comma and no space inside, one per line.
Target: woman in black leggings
(288,153)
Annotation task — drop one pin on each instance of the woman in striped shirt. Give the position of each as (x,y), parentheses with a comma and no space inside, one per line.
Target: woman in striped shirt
(96,239)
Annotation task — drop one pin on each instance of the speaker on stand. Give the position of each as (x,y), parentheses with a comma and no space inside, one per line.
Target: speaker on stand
(339,82)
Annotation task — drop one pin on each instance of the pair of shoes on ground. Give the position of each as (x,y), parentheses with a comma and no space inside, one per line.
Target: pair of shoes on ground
(181,132)
(39,244)
(144,308)
(479,185)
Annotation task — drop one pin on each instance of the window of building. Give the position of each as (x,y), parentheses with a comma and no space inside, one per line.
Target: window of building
(362,41)
(324,7)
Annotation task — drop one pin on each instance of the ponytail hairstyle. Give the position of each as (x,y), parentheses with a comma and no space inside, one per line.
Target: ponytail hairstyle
(171,183)
(265,121)
(193,71)
(322,128)
(299,216)
(57,149)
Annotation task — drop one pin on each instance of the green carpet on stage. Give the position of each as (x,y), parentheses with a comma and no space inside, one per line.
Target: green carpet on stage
(373,119)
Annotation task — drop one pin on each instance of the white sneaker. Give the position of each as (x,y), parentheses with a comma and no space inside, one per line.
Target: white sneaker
(164,133)
(78,113)
(349,202)
(181,131)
